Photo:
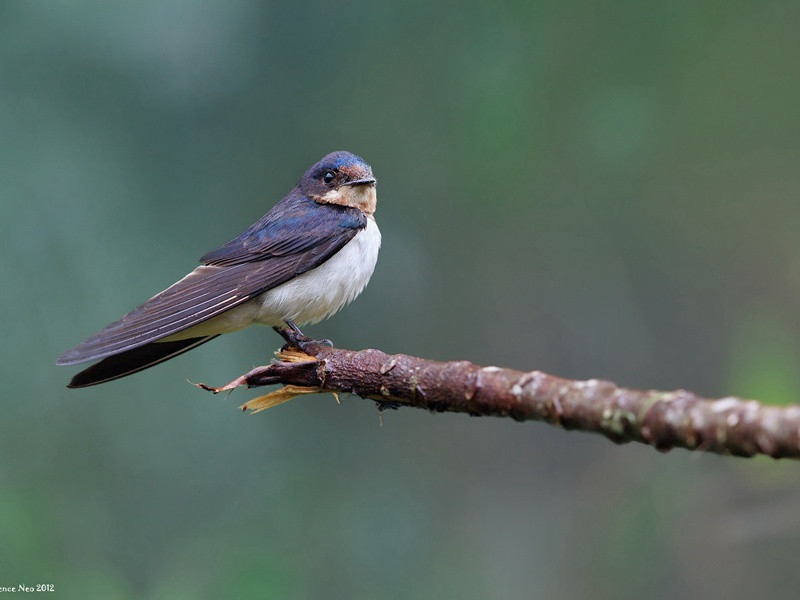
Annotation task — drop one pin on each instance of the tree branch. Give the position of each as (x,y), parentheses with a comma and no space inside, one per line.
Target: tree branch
(664,420)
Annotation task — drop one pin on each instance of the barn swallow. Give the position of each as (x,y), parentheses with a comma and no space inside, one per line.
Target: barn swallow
(309,256)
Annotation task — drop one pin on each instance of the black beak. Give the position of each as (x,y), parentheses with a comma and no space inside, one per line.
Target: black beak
(364,181)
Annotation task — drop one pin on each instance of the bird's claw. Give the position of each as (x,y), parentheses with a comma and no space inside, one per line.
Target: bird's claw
(297,339)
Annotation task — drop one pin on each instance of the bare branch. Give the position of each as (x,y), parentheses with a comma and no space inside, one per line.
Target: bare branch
(664,420)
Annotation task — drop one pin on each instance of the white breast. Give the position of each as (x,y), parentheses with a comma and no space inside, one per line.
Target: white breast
(320,292)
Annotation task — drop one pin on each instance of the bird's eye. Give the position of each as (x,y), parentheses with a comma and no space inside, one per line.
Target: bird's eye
(329,176)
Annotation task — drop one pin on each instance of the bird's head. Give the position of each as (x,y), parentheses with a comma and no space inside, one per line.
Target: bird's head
(341,178)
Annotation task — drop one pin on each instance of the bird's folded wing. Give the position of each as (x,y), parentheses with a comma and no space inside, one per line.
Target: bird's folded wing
(204,293)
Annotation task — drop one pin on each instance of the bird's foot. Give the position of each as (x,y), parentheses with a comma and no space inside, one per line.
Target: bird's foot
(297,339)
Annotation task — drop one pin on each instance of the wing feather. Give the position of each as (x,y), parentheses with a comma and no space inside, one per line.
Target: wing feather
(233,275)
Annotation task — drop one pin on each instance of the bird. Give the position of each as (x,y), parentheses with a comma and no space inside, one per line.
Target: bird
(310,255)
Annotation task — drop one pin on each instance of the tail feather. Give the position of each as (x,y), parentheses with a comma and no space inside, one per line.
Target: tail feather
(134,360)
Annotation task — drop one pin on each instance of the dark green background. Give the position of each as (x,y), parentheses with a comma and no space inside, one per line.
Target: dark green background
(594,189)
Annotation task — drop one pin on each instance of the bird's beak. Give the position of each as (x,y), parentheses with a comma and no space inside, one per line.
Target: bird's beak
(364,181)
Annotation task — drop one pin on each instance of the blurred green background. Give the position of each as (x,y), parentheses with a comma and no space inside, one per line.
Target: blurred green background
(594,189)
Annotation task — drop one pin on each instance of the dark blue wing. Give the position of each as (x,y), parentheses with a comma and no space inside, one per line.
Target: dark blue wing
(295,236)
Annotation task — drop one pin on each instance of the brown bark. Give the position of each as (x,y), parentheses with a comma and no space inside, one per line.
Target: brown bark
(661,419)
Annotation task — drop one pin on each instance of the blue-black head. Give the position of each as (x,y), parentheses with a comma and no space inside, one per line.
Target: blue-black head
(341,178)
